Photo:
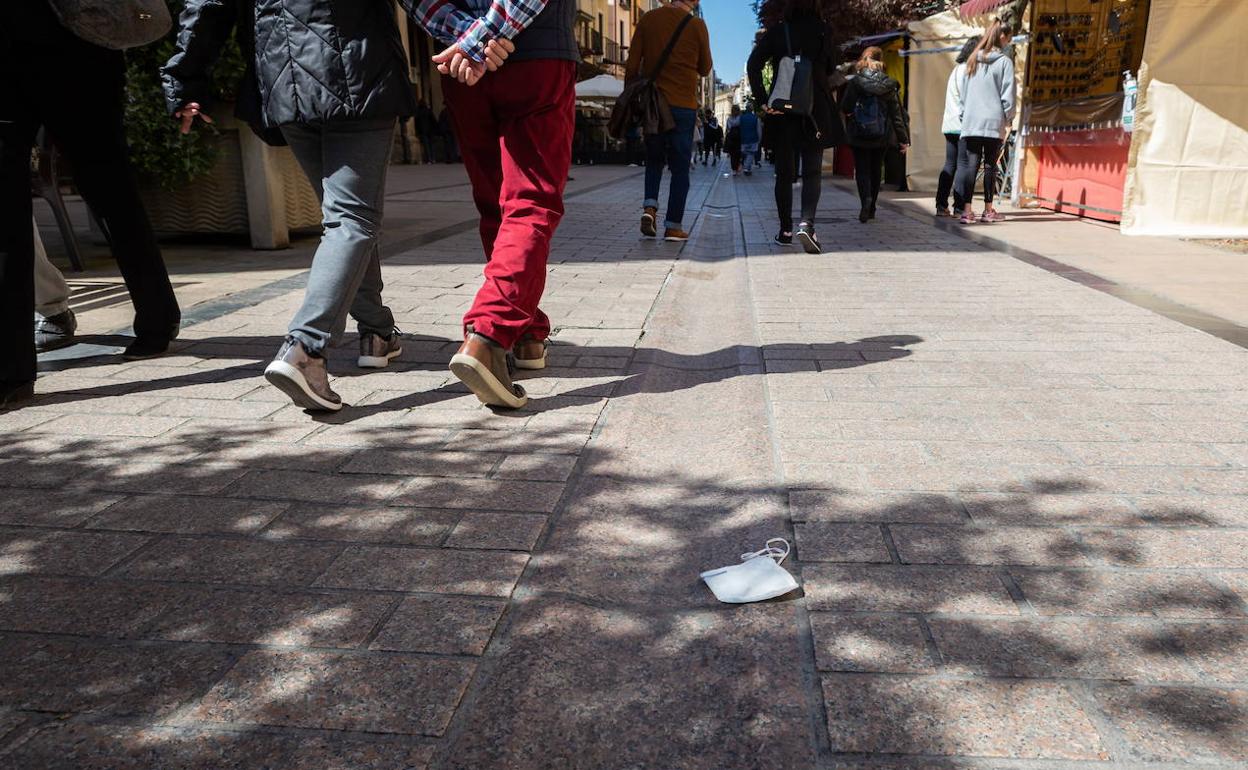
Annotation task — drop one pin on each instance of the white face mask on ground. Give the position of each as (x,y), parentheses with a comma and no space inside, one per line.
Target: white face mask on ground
(759,576)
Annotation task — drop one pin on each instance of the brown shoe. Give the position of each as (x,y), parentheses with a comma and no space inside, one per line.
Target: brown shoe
(675,234)
(481,364)
(376,350)
(648,219)
(302,377)
(530,353)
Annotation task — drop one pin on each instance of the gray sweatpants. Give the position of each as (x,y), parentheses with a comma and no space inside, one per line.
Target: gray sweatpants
(51,290)
(346,164)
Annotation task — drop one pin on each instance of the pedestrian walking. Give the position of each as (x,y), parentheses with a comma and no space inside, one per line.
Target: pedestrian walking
(690,59)
(732,139)
(426,130)
(514,129)
(874,122)
(55,322)
(340,125)
(714,145)
(797,30)
(751,138)
(74,89)
(951,127)
(699,138)
(987,101)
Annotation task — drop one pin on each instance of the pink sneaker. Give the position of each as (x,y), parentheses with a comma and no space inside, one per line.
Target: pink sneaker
(967,219)
(992,215)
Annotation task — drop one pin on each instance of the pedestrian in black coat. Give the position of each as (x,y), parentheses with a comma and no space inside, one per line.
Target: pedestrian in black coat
(876,121)
(797,28)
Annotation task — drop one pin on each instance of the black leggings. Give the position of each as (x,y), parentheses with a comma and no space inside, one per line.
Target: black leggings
(972,151)
(947,174)
(868,172)
(786,158)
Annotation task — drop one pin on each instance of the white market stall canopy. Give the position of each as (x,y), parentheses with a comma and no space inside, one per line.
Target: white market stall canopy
(600,87)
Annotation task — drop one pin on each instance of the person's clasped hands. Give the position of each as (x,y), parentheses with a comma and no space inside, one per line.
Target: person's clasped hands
(459,65)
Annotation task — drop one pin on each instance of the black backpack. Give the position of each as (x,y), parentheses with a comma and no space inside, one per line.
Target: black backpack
(869,119)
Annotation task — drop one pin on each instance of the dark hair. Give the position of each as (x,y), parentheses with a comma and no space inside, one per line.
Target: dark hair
(967,47)
(772,13)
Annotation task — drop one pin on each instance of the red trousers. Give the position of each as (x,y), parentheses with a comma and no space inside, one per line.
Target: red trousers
(515,135)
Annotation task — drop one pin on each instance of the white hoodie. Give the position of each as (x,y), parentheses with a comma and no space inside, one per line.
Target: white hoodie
(952,122)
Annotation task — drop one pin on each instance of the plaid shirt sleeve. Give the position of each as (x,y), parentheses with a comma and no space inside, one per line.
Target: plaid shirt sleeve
(451,25)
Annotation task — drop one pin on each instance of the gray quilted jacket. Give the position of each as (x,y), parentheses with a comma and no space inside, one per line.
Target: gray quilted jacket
(309,61)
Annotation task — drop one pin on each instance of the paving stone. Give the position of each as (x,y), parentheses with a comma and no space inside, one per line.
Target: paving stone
(258,455)
(184,514)
(1141,453)
(422,463)
(302,619)
(152,477)
(871,588)
(391,693)
(502,495)
(220,560)
(1178,723)
(59,552)
(826,541)
(828,505)
(1083,648)
(78,606)
(796,450)
(1168,548)
(997,452)
(110,425)
(45,508)
(909,715)
(940,544)
(446,625)
(941,478)
(572,654)
(49,674)
(1126,593)
(1060,506)
(409,526)
(480,573)
(86,746)
(215,408)
(313,487)
(1192,510)
(536,467)
(1218,649)
(505,531)
(869,644)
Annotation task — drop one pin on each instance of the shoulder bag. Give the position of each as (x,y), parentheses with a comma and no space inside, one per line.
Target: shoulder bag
(641,102)
(116,24)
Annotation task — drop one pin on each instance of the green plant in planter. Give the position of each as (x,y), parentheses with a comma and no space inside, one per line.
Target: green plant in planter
(161,153)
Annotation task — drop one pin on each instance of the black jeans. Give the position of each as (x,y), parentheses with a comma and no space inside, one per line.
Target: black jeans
(868,171)
(947,174)
(76,91)
(972,151)
(790,144)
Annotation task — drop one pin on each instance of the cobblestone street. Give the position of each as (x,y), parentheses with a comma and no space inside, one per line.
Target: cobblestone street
(1019,507)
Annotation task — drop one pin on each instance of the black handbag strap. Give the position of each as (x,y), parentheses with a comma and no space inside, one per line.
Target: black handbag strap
(788,44)
(654,73)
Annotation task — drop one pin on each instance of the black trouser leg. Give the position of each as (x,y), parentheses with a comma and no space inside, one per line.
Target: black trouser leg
(945,184)
(969,154)
(868,172)
(877,174)
(17,255)
(812,179)
(992,149)
(102,170)
(784,183)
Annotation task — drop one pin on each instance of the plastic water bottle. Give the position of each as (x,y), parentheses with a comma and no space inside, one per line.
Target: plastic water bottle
(1130,89)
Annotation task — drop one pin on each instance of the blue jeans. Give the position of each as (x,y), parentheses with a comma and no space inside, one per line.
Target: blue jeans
(675,148)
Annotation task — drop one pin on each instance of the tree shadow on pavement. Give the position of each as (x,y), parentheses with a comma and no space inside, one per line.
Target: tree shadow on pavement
(218,598)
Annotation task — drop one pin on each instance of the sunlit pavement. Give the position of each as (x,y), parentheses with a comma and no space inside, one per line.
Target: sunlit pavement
(1018,505)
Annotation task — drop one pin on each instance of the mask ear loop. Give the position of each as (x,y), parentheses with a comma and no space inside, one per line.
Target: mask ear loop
(771,551)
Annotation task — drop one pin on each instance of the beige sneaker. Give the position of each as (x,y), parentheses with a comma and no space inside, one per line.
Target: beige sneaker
(376,350)
(481,364)
(302,377)
(530,353)
(648,218)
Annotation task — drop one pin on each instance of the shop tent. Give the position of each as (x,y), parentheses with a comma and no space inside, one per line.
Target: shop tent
(1188,169)
(929,69)
(601,87)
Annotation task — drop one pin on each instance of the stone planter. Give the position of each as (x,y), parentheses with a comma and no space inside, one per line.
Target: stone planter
(253,189)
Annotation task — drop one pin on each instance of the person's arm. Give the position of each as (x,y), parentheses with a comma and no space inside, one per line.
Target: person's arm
(704,48)
(203,28)
(504,20)
(632,68)
(901,121)
(1007,91)
(849,98)
(754,66)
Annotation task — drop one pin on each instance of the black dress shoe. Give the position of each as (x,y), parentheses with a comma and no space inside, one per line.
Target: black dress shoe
(145,347)
(55,331)
(864,213)
(13,393)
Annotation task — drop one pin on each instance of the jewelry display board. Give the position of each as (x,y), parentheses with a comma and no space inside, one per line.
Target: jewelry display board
(1080,48)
